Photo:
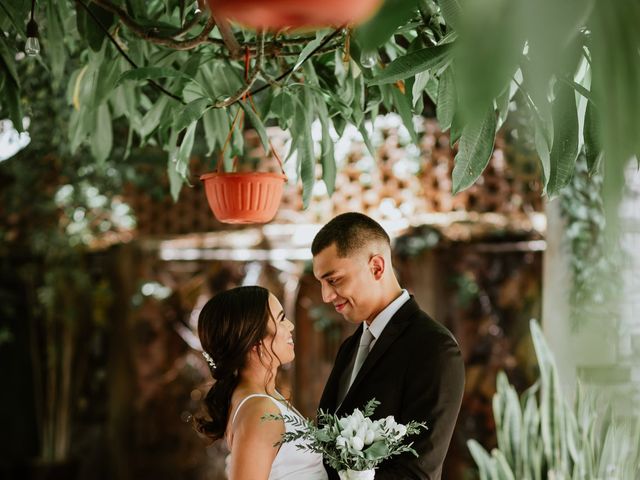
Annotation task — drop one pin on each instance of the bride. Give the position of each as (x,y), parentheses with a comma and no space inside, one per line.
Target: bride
(245,337)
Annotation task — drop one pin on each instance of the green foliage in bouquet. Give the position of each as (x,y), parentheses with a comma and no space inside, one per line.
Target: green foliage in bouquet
(541,437)
(354,442)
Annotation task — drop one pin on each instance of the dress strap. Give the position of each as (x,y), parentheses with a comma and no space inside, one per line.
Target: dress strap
(235,414)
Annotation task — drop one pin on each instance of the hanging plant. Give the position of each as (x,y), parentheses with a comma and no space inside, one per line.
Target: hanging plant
(244,197)
(281,14)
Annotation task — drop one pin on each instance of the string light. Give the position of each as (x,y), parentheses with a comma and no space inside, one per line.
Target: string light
(32,47)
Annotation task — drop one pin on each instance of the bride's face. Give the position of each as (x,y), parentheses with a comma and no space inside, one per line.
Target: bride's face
(279,340)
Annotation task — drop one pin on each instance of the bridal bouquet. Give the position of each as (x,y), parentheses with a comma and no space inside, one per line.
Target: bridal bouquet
(353,445)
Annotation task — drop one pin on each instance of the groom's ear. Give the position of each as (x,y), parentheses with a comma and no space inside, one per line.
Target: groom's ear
(377,266)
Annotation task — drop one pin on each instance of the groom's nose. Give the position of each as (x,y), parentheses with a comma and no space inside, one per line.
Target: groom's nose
(328,293)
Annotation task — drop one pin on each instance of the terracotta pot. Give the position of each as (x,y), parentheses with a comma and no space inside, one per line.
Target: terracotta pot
(244,197)
(278,14)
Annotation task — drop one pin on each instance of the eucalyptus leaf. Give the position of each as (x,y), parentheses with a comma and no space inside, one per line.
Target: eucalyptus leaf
(256,123)
(403,105)
(310,47)
(413,63)
(102,136)
(474,153)
(192,112)
(152,118)
(152,73)
(216,128)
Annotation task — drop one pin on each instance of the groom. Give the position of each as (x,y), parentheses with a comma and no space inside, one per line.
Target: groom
(398,355)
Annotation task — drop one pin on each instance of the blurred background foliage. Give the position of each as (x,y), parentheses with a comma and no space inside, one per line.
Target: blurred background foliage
(162,69)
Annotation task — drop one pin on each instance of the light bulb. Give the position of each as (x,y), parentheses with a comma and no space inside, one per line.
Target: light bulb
(368,58)
(32,47)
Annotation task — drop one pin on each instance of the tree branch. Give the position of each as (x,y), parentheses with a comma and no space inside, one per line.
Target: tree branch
(228,37)
(124,54)
(150,35)
(250,81)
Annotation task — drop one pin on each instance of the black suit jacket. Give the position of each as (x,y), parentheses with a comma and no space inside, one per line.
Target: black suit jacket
(416,371)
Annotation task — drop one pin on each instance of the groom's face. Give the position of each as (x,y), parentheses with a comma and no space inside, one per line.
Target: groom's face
(347,283)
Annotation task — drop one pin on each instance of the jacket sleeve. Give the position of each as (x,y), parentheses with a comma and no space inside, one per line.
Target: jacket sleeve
(432,393)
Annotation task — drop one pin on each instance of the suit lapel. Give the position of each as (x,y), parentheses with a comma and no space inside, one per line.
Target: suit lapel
(392,331)
(330,393)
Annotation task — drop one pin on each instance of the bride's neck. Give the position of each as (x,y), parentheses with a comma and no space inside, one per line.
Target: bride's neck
(258,380)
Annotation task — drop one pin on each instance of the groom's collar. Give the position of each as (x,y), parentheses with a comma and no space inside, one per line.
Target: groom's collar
(382,319)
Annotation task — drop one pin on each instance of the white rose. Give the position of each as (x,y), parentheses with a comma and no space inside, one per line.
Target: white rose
(341,442)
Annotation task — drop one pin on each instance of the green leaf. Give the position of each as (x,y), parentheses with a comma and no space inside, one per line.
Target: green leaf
(15,16)
(419,85)
(8,60)
(152,118)
(216,128)
(456,129)
(392,15)
(102,136)
(565,144)
(377,450)
(591,134)
(255,121)
(192,112)
(152,73)
(307,158)
(55,46)
(451,11)
(179,156)
(474,153)
(486,465)
(502,105)
(11,94)
(310,47)
(446,105)
(282,108)
(413,63)
(403,105)
(87,27)
(106,78)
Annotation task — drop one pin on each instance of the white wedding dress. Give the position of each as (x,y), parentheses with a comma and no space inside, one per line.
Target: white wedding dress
(290,462)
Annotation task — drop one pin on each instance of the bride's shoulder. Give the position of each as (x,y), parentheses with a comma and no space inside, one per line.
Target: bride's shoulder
(249,409)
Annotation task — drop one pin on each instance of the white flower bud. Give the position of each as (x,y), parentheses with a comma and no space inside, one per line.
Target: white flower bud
(357,444)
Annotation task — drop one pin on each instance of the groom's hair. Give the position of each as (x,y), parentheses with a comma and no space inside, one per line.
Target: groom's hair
(350,232)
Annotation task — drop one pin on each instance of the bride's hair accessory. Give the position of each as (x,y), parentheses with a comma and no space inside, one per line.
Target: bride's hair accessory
(209,360)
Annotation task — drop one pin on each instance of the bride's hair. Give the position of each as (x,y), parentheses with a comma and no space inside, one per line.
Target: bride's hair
(229,326)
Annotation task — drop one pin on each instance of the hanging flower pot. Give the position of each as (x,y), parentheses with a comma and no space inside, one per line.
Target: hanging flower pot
(249,197)
(278,14)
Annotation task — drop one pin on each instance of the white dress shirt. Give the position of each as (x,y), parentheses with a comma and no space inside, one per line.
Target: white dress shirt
(382,319)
